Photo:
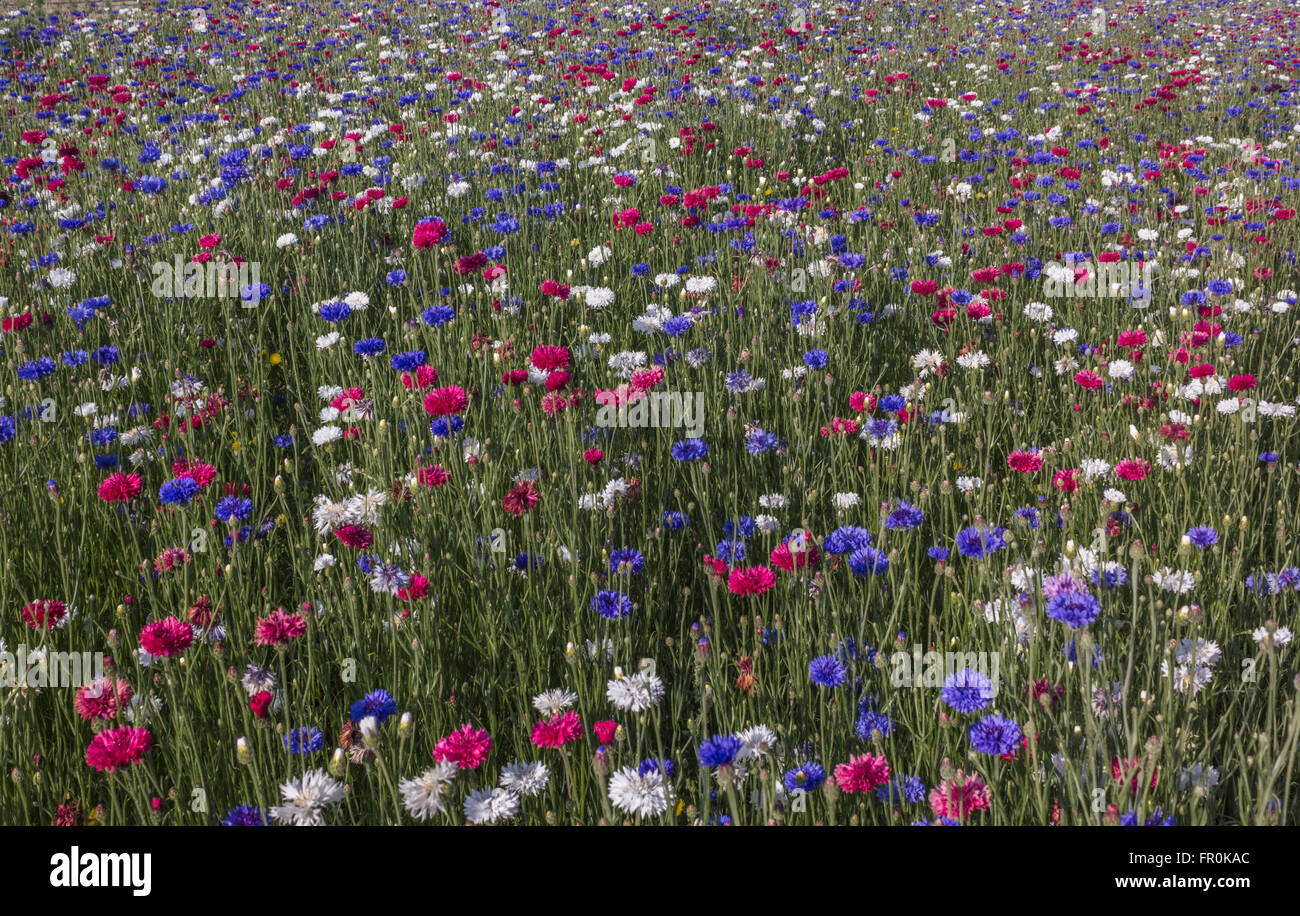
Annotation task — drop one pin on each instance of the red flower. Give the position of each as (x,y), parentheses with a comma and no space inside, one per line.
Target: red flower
(558,730)
(260,702)
(751,580)
(1132,469)
(522,497)
(117,747)
(1024,462)
(167,637)
(279,628)
(44,613)
(1088,379)
(428,234)
(432,476)
(442,402)
(1241,383)
(551,357)
(358,536)
(605,731)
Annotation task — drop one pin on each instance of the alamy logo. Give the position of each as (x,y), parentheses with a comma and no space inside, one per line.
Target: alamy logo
(181,279)
(657,410)
(103,869)
(930,669)
(43,668)
(1083,278)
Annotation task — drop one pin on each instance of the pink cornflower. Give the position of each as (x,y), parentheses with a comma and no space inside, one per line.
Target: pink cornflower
(467,747)
(166,637)
(44,613)
(200,473)
(605,731)
(959,796)
(120,487)
(442,402)
(550,357)
(1024,462)
(279,628)
(751,580)
(355,535)
(118,746)
(102,698)
(1132,469)
(522,497)
(558,730)
(862,773)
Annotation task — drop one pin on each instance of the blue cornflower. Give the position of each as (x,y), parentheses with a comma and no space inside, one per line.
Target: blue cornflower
(995,735)
(407,362)
(690,450)
(657,765)
(178,490)
(816,359)
(245,816)
(807,776)
(370,346)
(847,539)
(827,671)
(976,542)
(760,441)
(868,561)
(967,690)
(1203,536)
(232,508)
(438,315)
(720,750)
(626,560)
(612,605)
(732,551)
(1077,609)
(304,740)
(378,703)
(904,518)
(902,788)
(938,554)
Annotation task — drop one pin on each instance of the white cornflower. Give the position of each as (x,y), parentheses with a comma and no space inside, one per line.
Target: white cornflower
(1281,636)
(1038,311)
(424,796)
(486,806)
(326,435)
(1110,494)
(967,484)
(638,795)
(1176,581)
(772,501)
(758,741)
(1094,468)
(599,255)
(554,702)
(599,297)
(846,500)
(305,798)
(1198,776)
(525,779)
(635,693)
(701,285)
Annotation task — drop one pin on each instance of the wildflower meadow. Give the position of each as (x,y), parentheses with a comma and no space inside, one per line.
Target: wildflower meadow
(714,413)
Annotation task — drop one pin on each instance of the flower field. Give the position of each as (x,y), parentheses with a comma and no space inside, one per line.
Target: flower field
(726,413)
